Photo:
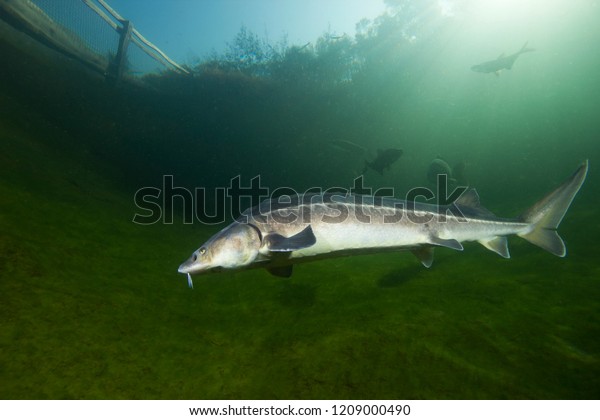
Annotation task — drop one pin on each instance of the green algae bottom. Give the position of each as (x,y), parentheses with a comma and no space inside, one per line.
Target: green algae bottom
(92,307)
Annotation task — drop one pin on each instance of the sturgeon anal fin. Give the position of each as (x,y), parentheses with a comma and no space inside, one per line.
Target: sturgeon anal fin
(284,271)
(499,245)
(447,243)
(424,254)
(278,243)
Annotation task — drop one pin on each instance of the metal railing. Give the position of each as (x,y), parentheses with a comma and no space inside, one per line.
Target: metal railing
(91,32)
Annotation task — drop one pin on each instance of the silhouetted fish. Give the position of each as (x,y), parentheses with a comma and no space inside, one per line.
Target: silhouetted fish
(439,166)
(347,146)
(456,175)
(383,160)
(502,62)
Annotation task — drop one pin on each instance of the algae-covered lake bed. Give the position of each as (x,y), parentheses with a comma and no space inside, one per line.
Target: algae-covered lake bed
(92,307)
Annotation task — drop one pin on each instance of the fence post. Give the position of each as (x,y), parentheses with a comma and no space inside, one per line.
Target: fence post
(118,64)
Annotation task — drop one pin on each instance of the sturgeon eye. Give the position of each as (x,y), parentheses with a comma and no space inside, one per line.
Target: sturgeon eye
(202,251)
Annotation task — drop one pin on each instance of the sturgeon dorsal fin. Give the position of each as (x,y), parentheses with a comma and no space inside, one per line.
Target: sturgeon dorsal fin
(469,198)
(283,271)
(424,254)
(469,201)
(279,243)
(498,244)
(501,56)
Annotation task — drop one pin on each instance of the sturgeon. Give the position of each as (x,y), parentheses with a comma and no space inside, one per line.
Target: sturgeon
(275,235)
(501,63)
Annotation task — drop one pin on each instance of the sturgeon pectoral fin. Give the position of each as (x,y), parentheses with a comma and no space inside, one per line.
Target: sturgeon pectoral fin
(284,271)
(499,245)
(278,243)
(447,243)
(425,255)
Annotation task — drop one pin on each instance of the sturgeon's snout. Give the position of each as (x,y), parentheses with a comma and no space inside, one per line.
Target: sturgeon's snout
(187,266)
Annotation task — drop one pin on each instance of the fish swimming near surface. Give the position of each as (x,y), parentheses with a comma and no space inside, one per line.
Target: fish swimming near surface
(347,146)
(275,235)
(383,160)
(501,63)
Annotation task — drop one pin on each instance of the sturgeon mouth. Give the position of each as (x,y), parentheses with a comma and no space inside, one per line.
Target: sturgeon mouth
(183,269)
(188,265)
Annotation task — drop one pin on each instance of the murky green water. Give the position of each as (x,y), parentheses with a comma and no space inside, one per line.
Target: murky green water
(91,305)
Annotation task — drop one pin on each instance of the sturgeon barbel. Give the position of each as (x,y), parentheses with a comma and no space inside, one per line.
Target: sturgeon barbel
(275,235)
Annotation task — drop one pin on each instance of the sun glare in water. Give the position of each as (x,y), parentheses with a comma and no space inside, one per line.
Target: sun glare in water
(507,10)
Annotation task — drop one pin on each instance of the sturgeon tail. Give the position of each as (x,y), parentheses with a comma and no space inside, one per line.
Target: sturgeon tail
(525,49)
(545,215)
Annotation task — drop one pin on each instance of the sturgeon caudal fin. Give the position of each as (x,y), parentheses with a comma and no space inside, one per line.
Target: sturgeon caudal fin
(525,49)
(546,214)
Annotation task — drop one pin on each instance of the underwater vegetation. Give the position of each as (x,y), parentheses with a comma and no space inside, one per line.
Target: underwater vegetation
(92,306)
